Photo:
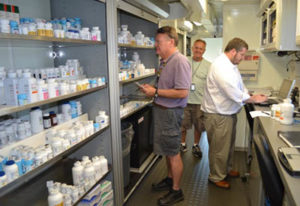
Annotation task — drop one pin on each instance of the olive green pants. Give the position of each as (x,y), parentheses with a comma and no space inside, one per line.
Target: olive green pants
(221,130)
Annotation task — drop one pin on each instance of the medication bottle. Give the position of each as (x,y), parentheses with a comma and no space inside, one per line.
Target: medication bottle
(89,173)
(74,113)
(3,179)
(85,160)
(55,198)
(46,120)
(52,88)
(97,165)
(48,30)
(11,89)
(53,119)
(287,111)
(104,165)
(96,34)
(27,85)
(11,170)
(42,90)
(36,120)
(77,173)
(66,111)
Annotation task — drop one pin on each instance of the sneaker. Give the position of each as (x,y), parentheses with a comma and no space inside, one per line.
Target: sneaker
(197,151)
(172,197)
(183,148)
(164,184)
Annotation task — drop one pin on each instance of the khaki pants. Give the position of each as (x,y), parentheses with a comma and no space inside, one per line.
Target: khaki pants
(221,131)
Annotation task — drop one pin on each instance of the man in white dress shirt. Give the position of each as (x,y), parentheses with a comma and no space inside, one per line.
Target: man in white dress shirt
(224,96)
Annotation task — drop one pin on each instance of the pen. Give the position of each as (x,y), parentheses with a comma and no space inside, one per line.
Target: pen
(266,113)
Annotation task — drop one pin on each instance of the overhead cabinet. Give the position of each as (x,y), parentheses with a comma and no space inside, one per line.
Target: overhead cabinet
(278,25)
(298,24)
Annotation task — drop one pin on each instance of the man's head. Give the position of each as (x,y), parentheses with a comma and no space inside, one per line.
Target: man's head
(166,41)
(236,50)
(198,49)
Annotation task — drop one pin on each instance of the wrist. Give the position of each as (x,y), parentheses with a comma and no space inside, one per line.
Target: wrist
(156,93)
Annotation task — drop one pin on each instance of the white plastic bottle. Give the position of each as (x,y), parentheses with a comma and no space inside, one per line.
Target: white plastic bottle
(104,165)
(3,179)
(77,173)
(66,111)
(52,88)
(96,34)
(28,86)
(42,90)
(36,120)
(97,165)
(55,198)
(11,170)
(89,173)
(287,111)
(11,89)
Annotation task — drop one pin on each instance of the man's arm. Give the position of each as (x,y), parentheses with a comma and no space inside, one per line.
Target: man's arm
(169,93)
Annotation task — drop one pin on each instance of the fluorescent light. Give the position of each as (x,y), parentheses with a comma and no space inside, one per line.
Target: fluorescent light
(197,23)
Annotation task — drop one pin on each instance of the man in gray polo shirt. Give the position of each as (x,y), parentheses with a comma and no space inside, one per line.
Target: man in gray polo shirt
(192,113)
(170,98)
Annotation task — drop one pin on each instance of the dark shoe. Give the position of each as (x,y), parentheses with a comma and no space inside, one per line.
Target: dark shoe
(172,197)
(222,184)
(197,151)
(233,173)
(183,148)
(165,184)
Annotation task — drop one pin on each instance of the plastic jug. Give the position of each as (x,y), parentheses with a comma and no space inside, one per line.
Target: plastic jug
(287,110)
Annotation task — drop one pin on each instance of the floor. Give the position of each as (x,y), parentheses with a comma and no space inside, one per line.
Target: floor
(197,190)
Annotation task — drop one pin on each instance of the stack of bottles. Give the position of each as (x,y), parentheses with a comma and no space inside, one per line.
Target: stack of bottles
(283,112)
(10,22)
(26,158)
(126,37)
(21,87)
(85,174)
(131,68)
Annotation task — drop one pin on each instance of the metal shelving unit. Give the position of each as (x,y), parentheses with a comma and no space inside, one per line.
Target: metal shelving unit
(4,110)
(136,110)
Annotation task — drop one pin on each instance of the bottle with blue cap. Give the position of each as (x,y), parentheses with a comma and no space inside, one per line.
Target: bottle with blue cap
(3,179)
(11,170)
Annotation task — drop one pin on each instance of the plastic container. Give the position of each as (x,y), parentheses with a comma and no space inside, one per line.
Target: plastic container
(66,111)
(104,164)
(97,165)
(3,178)
(27,85)
(96,34)
(36,120)
(42,90)
(11,89)
(11,170)
(89,173)
(77,173)
(55,198)
(286,112)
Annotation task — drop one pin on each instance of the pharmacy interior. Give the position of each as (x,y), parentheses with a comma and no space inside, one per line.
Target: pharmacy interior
(62,95)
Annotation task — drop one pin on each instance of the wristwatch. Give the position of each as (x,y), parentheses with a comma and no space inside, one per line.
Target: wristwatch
(156,93)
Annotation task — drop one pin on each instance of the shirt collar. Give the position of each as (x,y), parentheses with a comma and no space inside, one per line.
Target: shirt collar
(162,61)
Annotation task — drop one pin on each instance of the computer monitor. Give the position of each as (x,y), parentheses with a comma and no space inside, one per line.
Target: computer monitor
(286,88)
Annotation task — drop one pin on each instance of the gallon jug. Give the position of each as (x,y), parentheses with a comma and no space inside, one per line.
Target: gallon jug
(287,110)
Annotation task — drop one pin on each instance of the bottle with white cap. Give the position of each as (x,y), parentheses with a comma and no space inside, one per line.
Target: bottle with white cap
(77,173)
(36,120)
(55,198)
(89,173)
(11,89)
(104,165)
(97,165)
(286,112)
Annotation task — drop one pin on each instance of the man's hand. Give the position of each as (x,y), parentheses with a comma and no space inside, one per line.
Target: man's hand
(258,98)
(148,90)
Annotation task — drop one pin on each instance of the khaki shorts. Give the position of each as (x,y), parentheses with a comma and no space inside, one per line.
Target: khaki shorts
(193,116)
